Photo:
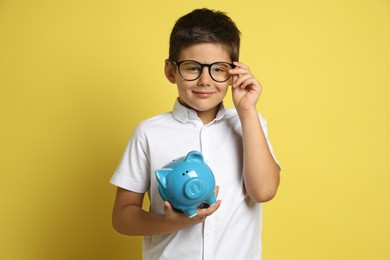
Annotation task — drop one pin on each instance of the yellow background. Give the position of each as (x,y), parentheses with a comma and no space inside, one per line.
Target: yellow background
(76,77)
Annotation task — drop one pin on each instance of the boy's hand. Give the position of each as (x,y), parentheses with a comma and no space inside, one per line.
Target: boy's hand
(183,221)
(246,89)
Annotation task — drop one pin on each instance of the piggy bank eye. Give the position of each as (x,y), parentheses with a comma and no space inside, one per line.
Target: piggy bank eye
(184,174)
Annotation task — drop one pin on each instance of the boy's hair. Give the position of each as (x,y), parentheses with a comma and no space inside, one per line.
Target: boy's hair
(204,26)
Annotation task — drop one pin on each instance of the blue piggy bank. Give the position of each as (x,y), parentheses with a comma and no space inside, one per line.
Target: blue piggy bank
(187,183)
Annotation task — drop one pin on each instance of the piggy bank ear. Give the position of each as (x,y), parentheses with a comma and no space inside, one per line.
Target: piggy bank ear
(194,156)
(161,176)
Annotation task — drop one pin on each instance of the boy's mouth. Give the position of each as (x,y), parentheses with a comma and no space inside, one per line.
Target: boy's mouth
(202,93)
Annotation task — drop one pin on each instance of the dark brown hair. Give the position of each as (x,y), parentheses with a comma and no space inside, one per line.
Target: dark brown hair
(204,26)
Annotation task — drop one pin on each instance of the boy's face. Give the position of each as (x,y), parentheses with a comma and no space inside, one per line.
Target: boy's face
(203,94)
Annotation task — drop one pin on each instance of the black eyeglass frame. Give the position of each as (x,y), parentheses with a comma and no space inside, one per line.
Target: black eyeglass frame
(178,63)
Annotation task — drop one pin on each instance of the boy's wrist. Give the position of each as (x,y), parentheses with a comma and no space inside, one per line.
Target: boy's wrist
(250,112)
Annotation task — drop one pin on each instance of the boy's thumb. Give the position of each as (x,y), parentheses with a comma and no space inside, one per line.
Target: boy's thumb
(167,206)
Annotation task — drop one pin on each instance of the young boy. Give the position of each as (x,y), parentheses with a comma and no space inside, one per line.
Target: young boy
(203,62)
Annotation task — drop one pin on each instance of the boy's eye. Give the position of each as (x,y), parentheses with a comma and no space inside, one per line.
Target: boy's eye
(220,68)
(192,68)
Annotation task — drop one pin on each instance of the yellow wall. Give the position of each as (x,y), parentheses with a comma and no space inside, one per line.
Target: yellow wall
(77,76)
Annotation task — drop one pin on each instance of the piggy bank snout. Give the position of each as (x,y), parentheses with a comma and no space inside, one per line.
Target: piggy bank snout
(194,188)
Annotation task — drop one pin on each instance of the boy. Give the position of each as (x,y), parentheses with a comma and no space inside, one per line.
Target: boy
(203,62)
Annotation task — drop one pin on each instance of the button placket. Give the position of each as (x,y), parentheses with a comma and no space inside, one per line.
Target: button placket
(204,144)
(209,238)
(209,223)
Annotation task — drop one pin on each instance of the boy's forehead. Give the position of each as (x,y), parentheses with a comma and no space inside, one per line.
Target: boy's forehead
(205,52)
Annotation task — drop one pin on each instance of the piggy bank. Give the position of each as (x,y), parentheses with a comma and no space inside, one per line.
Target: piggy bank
(187,183)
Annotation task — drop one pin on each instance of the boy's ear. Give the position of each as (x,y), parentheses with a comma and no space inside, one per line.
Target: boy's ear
(170,71)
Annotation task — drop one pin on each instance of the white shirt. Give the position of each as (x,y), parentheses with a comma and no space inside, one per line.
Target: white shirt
(234,230)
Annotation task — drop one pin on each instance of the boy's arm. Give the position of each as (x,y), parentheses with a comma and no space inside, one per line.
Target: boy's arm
(261,172)
(129,218)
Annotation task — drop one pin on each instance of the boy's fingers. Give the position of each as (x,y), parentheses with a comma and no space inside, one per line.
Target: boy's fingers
(208,211)
(240,81)
(216,191)
(240,64)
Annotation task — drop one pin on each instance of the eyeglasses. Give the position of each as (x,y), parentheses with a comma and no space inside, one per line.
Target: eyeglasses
(191,70)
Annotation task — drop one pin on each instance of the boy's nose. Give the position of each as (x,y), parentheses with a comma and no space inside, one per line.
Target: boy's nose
(205,78)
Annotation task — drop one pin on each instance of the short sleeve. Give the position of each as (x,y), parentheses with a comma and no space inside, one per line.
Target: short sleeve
(133,170)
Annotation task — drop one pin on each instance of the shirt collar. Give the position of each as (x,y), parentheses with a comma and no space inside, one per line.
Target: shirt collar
(184,114)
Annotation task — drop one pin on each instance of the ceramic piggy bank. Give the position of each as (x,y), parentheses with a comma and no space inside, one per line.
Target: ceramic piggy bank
(187,183)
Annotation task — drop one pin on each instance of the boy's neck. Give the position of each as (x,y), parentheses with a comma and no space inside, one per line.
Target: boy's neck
(208,116)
